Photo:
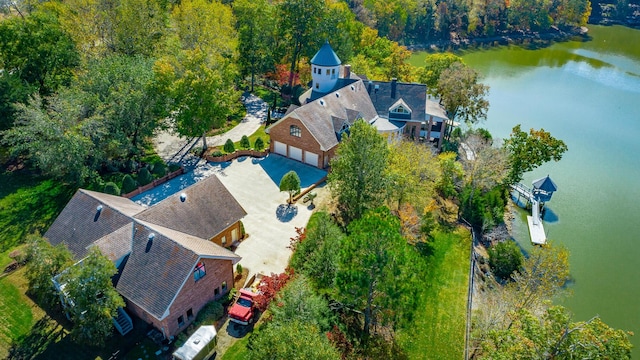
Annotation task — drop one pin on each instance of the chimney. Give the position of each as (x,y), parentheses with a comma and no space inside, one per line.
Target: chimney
(347,71)
(393,87)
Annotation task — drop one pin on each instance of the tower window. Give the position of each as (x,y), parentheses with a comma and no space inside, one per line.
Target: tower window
(295,131)
(327,71)
(317,86)
(333,71)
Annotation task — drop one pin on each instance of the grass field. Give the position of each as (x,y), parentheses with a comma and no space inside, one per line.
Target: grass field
(19,313)
(439,328)
(28,204)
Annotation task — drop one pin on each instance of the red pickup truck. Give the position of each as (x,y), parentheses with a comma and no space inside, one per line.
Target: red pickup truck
(243,310)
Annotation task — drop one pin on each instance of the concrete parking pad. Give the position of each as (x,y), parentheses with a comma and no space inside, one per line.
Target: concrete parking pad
(254,182)
(270,223)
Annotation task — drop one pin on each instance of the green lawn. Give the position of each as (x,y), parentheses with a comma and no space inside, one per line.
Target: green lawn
(19,313)
(439,328)
(237,351)
(28,204)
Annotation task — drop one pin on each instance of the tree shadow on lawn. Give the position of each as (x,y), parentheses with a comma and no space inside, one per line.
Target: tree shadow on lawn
(49,338)
(286,213)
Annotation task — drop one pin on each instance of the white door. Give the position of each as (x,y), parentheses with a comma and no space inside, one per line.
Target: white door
(295,153)
(280,148)
(311,158)
(234,235)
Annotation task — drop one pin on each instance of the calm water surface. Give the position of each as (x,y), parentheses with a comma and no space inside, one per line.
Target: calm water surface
(586,93)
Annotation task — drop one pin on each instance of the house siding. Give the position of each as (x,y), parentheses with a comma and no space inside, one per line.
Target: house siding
(227,234)
(193,295)
(306,142)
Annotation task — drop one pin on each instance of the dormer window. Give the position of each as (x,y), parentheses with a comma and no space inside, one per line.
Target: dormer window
(400,110)
(295,131)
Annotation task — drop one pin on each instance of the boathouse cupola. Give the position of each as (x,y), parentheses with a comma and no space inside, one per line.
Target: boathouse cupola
(325,69)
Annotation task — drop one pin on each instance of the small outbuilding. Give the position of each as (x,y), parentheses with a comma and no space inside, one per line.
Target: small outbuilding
(200,346)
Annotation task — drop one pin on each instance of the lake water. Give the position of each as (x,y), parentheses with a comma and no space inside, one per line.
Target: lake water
(586,93)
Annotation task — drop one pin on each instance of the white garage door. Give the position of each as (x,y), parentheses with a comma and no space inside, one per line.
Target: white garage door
(280,148)
(311,158)
(295,153)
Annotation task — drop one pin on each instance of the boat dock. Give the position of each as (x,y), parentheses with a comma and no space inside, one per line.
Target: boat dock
(541,192)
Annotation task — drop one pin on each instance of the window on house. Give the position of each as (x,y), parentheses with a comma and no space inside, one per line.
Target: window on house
(190,314)
(333,71)
(216,292)
(199,272)
(327,71)
(180,320)
(224,240)
(317,86)
(314,70)
(295,131)
(224,286)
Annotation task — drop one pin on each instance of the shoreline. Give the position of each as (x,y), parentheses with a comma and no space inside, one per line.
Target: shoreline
(518,37)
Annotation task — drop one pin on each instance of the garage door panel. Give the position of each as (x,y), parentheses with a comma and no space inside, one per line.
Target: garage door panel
(295,153)
(311,158)
(280,148)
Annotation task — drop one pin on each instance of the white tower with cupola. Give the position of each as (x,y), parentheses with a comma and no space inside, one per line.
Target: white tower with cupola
(325,69)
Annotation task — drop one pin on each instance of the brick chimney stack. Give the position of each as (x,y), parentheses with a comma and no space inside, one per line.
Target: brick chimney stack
(347,71)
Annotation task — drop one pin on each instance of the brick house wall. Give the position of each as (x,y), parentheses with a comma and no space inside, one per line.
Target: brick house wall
(194,295)
(227,234)
(306,141)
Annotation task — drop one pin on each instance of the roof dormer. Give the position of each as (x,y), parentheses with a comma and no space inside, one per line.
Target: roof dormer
(400,110)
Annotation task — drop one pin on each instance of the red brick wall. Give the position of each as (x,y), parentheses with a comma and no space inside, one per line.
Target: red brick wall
(306,141)
(194,295)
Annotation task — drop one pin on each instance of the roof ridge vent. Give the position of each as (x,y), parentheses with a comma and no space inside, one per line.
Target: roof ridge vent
(183,197)
(321,102)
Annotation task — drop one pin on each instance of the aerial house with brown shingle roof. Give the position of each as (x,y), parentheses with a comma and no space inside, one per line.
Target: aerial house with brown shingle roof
(310,133)
(172,258)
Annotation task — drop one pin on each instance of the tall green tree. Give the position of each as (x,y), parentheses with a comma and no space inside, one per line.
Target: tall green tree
(291,340)
(45,262)
(434,65)
(56,138)
(374,275)
(199,76)
(300,24)
(358,175)
(530,150)
(95,300)
(504,258)
(297,301)
(123,90)
(413,174)
(553,335)
(36,54)
(290,183)
(256,27)
(462,95)
(316,254)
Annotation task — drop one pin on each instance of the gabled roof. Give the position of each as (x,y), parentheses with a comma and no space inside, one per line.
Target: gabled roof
(401,102)
(414,96)
(155,271)
(321,116)
(209,208)
(326,56)
(80,224)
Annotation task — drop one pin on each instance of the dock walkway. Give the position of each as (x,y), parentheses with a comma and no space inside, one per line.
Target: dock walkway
(536,229)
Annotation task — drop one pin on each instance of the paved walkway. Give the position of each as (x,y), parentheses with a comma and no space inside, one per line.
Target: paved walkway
(174,148)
